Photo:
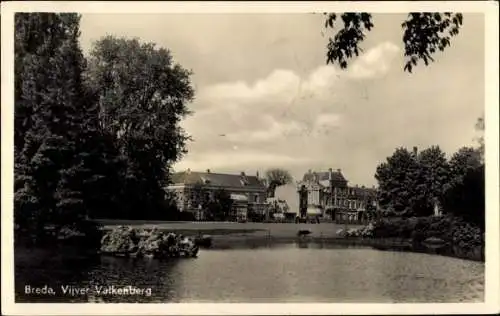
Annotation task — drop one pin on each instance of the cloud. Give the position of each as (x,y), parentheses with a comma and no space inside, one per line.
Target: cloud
(230,160)
(278,86)
(245,122)
(279,130)
(375,62)
(280,105)
(274,131)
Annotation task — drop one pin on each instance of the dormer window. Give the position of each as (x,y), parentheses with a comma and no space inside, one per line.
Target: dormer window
(244,181)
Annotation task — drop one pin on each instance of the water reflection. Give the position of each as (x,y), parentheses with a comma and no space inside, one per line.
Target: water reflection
(299,271)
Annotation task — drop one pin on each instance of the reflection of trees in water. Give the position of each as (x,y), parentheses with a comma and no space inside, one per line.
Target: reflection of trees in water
(53,268)
(39,268)
(159,275)
(470,253)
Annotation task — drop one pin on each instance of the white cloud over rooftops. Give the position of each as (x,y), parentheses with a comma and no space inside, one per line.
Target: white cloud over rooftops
(226,160)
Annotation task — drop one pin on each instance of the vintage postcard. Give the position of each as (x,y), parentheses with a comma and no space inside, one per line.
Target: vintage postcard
(250,158)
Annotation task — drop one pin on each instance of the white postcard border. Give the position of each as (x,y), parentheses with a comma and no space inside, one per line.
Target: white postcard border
(489,8)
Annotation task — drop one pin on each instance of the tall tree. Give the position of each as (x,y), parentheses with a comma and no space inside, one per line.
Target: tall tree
(397,179)
(37,37)
(423,35)
(142,96)
(466,198)
(275,178)
(464,193)
(433,174)
(202,196)
(50,171)
(220,206)
(464,159)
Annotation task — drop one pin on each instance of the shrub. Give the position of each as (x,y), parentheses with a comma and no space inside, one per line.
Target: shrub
(150,242)
(450,229)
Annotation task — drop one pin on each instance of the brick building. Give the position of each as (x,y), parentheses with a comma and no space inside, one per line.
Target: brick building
(245,191)
(327,193)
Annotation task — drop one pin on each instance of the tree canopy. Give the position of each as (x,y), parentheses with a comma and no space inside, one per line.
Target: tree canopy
(93,137)
(423,35)
(142,96)
(51,167)
(277,177)
(217,204)
(411,183)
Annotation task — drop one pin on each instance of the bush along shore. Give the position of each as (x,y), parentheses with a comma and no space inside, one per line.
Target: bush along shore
(442,232)
(154,243)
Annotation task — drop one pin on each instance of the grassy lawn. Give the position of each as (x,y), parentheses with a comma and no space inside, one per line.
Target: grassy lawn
(230,228)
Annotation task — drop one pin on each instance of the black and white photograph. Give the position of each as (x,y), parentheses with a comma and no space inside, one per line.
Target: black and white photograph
(319,153)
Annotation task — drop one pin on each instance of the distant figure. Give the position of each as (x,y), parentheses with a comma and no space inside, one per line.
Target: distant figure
(303,232)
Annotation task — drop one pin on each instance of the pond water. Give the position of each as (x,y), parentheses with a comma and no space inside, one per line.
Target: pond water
(328,273)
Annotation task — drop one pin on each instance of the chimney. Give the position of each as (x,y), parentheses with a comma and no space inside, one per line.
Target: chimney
(257,174)
(330,174)
(242,173)
(415,151)
(208,170)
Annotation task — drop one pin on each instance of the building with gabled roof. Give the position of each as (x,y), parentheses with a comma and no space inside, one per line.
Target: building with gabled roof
(327,193)
(246,191)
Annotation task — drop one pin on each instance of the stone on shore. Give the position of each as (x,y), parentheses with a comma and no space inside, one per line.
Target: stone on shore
(127,241)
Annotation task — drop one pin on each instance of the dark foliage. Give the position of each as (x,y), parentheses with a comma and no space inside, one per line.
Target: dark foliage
(254,216)
(450,229)
(397,178)
(142,95)
(217,204)
(423,35)
(275,178)
(51,112)
(220,207)
(466,196)
(411,184)
(93,139)
(345,44)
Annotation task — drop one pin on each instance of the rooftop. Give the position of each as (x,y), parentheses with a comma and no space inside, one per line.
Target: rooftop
(218,179)
(324,176)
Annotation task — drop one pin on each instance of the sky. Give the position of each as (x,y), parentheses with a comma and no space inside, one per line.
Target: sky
(265,96)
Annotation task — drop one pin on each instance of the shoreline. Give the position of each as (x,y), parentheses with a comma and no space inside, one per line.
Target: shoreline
(382,244)
(235,242)
(250,235)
